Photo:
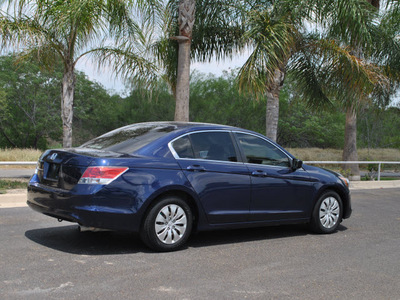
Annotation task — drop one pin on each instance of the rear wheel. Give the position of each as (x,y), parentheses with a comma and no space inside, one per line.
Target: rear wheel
(327,213)
(167,225)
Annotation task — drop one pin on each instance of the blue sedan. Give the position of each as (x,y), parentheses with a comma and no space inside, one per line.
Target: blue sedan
(164,180)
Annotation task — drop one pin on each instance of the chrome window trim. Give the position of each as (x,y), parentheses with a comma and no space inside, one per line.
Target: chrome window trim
(176,156)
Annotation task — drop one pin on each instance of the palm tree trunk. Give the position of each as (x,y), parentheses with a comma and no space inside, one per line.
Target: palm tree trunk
(186,21)
(350,144)
(272,114)
(182,82)
(67,102)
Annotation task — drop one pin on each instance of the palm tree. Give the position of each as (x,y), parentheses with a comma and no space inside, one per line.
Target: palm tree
(333,60)
(278,34)
(185,21)
(214,33)
(273,34)
(69,30)
(367,40)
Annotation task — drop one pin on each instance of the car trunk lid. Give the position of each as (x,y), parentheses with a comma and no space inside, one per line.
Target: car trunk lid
(63,168)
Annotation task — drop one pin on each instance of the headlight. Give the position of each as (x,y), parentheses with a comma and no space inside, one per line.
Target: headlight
(345,181)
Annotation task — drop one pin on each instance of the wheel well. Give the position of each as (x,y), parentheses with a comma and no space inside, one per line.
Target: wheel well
(337,191)
(184,196)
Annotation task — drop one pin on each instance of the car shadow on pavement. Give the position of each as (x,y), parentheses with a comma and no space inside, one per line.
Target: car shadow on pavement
(70,240)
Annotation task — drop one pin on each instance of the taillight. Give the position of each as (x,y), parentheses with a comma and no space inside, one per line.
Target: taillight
(101,175)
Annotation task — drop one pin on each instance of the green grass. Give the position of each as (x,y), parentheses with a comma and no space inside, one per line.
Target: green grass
(6,184)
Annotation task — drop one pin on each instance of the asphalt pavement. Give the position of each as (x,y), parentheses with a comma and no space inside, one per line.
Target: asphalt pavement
(16,173)
(43,259)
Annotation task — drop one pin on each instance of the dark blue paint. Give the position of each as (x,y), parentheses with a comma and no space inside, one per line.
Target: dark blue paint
(222,194)
(281,194)
(223,188)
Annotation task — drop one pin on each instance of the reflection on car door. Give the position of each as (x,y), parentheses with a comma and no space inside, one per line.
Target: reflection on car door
(209,161)
(278,192)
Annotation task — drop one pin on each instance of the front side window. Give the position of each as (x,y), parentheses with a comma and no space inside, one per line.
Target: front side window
(260,151)
(206,145)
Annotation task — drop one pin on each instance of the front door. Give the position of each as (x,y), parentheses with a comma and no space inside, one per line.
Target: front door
(278,192)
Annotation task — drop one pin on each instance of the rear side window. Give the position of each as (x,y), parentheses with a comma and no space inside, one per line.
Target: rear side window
(183,147)
(260,151)
(206,145)
(129,138)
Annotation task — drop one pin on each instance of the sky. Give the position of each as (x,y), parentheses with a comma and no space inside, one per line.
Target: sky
(115,85)
(105,76)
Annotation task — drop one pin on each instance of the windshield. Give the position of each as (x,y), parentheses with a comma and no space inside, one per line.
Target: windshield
(130,138)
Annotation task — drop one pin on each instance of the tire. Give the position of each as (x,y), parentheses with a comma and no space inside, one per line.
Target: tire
(327,213)
(167,225)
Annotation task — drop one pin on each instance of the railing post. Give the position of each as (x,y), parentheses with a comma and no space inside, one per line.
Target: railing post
(379,171)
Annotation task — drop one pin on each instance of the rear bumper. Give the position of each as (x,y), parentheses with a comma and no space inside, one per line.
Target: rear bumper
(89,210)
(82,218)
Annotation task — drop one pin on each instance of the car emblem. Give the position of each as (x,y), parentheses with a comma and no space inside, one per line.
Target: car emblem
(53,156)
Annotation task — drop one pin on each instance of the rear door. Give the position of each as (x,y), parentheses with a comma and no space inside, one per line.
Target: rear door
(209,159)
(278,192)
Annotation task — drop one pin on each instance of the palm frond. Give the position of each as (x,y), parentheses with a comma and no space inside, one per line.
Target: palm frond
(342,74)
(218,29)
(351,21)
(309,84)
(166,51)
(274,41)
(27,32)
(126,63)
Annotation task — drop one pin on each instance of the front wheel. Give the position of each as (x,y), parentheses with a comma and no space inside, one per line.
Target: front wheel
(167,225)
(327,213)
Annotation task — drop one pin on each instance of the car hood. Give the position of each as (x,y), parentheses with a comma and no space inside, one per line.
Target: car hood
(323,175)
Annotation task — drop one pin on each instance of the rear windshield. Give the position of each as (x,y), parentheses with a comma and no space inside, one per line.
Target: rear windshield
(130,138)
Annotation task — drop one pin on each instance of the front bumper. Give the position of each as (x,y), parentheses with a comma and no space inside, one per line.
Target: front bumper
(347,209)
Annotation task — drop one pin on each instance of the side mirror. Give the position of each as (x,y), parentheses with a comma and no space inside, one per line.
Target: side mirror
(296,163)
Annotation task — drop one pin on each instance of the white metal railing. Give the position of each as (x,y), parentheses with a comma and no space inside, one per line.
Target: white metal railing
(18,163)
(379,163)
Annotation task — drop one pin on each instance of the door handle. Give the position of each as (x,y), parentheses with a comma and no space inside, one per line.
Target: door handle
(259,173)
(194,168)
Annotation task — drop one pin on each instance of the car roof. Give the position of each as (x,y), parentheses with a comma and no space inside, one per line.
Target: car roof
(184,124)
(187,126)
(179,129)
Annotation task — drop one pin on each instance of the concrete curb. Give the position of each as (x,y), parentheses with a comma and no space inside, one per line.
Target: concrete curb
(13,200)
(17,198)
(368,185)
